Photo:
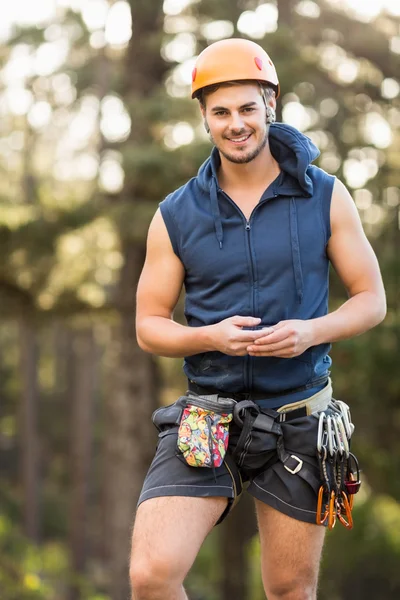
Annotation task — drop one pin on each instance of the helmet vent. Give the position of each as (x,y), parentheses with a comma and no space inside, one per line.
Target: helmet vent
(259,63)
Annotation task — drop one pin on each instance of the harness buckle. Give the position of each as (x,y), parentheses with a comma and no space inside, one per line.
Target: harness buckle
(297,467)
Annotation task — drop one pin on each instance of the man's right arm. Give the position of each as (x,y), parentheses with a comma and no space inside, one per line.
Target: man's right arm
(159,287)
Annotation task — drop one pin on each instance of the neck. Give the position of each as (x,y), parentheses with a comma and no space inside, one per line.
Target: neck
(264,168)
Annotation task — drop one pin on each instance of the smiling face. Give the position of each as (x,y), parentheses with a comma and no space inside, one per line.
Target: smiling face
(236,116)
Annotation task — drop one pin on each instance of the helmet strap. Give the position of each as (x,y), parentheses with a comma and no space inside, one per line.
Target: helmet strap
(271,117)
(270,113)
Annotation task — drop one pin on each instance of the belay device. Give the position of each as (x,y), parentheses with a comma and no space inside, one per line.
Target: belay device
(339,467)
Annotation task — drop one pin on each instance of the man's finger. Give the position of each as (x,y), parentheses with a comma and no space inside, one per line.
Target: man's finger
(245,321)
(278,354)
(277,335)
(270,348)
(251,335)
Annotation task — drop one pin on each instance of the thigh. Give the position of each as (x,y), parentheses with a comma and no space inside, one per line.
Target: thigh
(170,475)
(169,532)
(290,552)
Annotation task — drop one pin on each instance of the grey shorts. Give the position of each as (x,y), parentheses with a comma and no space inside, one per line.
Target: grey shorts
(291,494)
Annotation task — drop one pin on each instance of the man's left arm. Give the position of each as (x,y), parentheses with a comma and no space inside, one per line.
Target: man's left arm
(356,264)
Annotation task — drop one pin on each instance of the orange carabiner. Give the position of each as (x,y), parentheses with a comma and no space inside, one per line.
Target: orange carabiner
(348,521)
(332,511)
(321,517)
(351,501)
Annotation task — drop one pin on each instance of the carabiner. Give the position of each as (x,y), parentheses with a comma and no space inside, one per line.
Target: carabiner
(345,410)
(343,435)
(352,485)
(339,439)
(321,518)
(332,510)
(331,436)
(321,443)
(344,502)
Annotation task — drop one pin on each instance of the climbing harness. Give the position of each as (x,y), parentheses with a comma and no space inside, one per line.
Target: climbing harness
(339,468)
(258,439)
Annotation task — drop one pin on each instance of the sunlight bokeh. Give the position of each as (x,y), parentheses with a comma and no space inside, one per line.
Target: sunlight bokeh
(257,23)
(367,10)
(110,24)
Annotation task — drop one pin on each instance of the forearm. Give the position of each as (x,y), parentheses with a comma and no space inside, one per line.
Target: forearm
(360,313)
(165,337)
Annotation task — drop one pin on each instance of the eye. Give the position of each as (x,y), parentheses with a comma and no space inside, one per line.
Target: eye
(248,109)
(219,113)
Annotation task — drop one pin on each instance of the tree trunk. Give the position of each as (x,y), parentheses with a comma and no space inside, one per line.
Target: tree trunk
(235,533)
(82,404)
(285,12)
(29,442)
(130,434)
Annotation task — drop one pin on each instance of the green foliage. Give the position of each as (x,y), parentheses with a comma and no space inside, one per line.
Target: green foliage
(28,572)
(31,572)
(364,563)
(39,212)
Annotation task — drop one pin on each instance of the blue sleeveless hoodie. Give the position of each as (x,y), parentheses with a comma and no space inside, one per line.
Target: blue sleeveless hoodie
(273,266)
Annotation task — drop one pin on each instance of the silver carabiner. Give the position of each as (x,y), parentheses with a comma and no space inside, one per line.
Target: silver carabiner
(322,433)
(339,439)
(343,436)
(331,436)
(346,416)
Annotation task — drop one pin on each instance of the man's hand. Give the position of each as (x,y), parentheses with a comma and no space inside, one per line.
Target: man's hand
(285,340)
(229,337)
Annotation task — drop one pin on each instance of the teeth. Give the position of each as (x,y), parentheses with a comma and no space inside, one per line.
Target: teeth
(242,139)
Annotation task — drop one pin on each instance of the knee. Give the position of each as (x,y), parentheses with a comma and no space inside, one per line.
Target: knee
(151,578)
(295,589)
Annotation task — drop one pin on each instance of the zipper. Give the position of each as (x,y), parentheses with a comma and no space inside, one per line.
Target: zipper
(249,365)
(249,362)
(211,445)
(248,374)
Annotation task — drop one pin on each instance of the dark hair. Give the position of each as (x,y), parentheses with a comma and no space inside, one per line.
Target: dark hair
(268,90)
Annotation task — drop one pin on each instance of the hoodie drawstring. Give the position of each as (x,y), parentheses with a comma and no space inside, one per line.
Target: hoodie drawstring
(215,211)
(294,238)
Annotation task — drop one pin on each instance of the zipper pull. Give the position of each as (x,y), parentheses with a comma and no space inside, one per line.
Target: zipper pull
(247,226)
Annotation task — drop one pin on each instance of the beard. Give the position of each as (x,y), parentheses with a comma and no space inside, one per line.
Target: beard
(244,157)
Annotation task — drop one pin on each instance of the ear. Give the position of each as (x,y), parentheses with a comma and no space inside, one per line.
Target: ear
(206,127)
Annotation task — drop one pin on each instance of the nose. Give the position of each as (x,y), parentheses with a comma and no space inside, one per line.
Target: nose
(236,122)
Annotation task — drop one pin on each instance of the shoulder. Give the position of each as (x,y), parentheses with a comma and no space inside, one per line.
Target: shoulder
(344,213)
(175,210)
(319,176)
(175,198)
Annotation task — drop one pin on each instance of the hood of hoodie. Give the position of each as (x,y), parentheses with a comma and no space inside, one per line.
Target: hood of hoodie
(291,149)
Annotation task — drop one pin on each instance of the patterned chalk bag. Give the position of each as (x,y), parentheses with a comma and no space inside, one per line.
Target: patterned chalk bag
(203,435)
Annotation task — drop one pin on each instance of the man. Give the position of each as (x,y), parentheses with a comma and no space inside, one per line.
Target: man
(250,238)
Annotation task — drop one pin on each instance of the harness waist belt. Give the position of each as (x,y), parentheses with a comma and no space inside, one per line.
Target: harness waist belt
(287,412)
(309,406)
(254,395)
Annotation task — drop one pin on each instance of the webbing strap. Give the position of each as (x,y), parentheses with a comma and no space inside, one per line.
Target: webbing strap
(266,423)
(244,440)
(296,466)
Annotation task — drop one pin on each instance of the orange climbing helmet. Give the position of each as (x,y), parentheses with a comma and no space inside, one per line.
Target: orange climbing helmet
(233,59)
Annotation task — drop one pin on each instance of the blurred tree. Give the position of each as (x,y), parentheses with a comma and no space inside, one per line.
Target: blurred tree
(72,243)
(29,442)
(81,440)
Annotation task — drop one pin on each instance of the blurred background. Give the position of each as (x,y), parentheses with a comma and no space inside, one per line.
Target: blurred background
(96,127)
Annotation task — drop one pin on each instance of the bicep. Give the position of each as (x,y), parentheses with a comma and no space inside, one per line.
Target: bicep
(162,276)
(348,249)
